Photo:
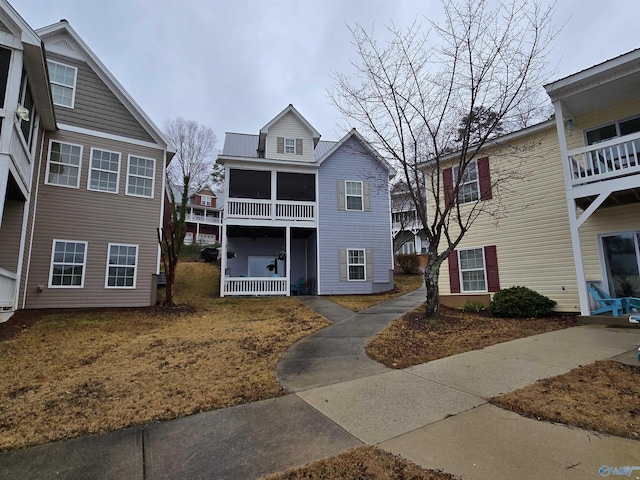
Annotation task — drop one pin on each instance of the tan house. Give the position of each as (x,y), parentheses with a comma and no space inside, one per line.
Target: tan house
(79,230)
(573,214)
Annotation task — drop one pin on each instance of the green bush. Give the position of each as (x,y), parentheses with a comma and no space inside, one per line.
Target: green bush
(408,262)
(471,306)
(521,302)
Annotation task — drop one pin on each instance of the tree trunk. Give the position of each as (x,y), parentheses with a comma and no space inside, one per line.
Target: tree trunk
(431,276)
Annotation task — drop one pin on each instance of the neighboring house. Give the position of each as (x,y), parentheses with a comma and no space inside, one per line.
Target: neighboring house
(406,228)
(301,209)
(80,219)
(203,219)
(573,216)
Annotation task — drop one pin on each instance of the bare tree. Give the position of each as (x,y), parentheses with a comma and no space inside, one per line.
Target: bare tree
(417,97)
(189,171)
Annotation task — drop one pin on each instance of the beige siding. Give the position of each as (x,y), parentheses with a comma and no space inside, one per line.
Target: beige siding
(605,220)
(532,236)
(96,107)
(289,127)
(10,234)
(98,218)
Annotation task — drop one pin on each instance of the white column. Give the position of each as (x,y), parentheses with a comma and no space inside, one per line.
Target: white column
(223,259)
(574,228)
(287,261)
(4,179)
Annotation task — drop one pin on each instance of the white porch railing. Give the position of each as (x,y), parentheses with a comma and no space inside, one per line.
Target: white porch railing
(8,285)
(253,209)
(20,156)
(613,158)
(408,226)
(255,286)
(208,219)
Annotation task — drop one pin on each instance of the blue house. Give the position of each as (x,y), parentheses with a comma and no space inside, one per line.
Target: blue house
(304,215)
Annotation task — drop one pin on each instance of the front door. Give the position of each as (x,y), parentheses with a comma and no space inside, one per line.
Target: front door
(621,255)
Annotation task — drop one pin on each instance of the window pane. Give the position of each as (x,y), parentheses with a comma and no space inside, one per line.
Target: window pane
(122,266)
(250,184)
(601,134)
(67,264)
(299,187)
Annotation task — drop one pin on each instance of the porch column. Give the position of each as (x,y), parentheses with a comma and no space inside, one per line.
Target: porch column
(287,261)
(574,226)
(4,179)
(223,259)
(197,232)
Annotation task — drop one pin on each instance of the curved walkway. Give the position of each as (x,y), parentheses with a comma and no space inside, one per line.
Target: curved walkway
(336,353)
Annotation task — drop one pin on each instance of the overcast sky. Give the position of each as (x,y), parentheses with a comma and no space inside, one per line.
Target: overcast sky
(233,65)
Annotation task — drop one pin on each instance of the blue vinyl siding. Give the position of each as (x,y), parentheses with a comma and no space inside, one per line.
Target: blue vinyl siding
(341,229)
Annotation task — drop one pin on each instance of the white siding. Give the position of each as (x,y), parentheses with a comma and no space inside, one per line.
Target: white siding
(289,127)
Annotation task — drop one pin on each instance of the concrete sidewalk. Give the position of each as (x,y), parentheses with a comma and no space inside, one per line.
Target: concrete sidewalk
(435,414)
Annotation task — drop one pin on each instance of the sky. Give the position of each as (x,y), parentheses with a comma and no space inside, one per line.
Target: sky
(233,65)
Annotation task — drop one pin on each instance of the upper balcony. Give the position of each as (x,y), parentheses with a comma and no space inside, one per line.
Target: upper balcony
(272,210)
(206,218)
(613,158)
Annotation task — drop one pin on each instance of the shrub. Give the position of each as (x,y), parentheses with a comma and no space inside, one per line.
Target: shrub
(521,302)
(408,262)
(471,306)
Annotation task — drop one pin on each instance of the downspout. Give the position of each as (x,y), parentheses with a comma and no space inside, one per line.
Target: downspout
(33,226)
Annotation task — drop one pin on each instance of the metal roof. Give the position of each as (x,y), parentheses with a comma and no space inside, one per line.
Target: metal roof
(246,145)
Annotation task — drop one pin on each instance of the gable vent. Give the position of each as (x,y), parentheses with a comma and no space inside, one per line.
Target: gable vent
(63,45)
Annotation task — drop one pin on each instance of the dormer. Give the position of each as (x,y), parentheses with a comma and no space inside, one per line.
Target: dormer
(288,137)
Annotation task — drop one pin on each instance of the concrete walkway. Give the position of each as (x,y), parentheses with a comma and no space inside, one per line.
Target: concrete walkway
(435,414)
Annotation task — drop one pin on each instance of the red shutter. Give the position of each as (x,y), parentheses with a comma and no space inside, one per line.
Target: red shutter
(491,264)
(198,200)
(454,272)
(447,180)
(485,179)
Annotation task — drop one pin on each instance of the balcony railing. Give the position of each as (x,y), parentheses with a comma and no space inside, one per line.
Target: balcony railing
(254,286)
(20,156)
(613,158)
(252,209)
(208,219)
(408,226)
(8,285)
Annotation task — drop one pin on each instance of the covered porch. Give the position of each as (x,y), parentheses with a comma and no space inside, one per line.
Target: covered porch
(266,261)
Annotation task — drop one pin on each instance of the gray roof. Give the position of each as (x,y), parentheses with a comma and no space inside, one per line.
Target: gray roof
(246,145)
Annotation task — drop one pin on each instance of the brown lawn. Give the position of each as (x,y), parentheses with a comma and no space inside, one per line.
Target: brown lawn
(403,284)
(414,339)
(78,372)
(364,463)
(603,396)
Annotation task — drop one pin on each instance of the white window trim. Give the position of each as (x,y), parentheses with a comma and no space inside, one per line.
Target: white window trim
(347,195)
(46,174)
(93,149)
(473,164)
(363,265)
(84,264)
(484,268)
(135,267)
(209,199)
(285,146)
(75,82)
(153,177)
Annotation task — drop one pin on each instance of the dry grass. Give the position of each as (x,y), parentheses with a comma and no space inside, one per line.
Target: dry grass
(364,463)
(414,339)
(603,396)
(403,284)
(78,372)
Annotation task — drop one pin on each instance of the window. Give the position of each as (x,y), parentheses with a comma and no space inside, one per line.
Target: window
(63,83)
(289,145)
(407,248)
(5,62)
(353,192)
(140,174)
(68,260)
(122,261)
(104,171)
(205,200)
(356,264)
(469,190)
(472,272)
(63,167)
(616,129)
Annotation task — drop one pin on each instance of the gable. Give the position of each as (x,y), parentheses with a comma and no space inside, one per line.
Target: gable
(4,28)
(95,107)
(289,126)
